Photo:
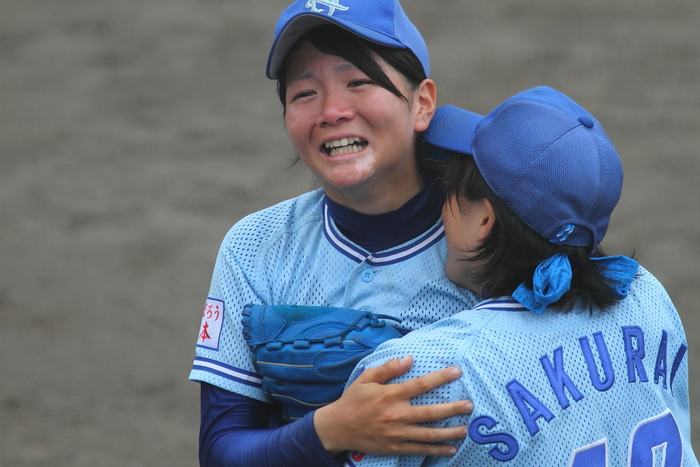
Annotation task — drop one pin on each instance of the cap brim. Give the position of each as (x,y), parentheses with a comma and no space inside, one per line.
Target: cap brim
(453,128)
(301,24)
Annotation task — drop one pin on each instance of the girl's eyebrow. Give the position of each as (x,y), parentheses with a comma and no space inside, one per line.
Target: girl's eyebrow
(303,76)
(310,74)
(344,67)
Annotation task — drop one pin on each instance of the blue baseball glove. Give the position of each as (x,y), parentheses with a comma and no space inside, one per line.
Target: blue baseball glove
(306,354)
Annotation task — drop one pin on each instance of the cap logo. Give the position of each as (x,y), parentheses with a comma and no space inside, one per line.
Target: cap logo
(332,6)
(563,234)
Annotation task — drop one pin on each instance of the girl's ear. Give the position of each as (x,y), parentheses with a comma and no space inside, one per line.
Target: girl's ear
(426,100)
(487,219)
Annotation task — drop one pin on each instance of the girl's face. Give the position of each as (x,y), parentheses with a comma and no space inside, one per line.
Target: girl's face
(353,134)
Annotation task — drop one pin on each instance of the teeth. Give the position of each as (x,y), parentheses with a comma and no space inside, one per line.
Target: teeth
(344,150)
(344,145)
(343,142)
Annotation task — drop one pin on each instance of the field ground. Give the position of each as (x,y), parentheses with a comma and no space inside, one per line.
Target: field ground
(133,134)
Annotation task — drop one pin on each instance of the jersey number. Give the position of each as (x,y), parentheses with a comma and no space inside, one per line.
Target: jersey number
(657,435)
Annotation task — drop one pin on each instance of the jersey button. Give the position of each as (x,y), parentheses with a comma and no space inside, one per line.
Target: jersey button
(367,275)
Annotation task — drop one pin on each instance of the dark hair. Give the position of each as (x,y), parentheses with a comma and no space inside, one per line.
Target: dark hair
(334,40)
(512,251)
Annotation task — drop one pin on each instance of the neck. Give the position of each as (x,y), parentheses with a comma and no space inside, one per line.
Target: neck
(379,199)
(379,232)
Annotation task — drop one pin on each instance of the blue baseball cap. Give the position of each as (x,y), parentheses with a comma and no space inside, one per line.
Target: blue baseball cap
(380,21)
(546,157)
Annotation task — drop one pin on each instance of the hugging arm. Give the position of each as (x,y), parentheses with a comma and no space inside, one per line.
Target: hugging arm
(371,417)
(378,418)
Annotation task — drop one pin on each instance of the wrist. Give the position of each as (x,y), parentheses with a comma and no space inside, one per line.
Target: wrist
(326,430)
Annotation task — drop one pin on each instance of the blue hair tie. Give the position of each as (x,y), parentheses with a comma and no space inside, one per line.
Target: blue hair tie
(552,279)
(620,272)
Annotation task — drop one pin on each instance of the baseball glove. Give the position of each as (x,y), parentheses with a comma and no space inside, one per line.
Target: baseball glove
(306,354)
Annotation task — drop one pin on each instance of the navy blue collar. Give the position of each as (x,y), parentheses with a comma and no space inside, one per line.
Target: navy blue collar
(379,232)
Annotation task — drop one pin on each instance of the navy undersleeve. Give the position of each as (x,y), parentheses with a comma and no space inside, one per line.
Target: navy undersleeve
(237,431)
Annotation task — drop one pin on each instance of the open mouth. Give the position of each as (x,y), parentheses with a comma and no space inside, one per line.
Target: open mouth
(344,145)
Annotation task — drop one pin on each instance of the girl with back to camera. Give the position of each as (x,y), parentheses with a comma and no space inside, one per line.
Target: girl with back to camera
(353,82)
(574,358)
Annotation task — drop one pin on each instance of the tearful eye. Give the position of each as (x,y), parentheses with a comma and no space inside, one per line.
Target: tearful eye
(302,94)
(358,83)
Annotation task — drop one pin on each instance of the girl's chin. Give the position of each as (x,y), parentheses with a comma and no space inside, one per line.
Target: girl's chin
(348,180)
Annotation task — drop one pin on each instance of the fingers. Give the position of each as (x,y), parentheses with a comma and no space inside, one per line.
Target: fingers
(396,367)
(424,441)
(386,371)
(427,382)
(378,418)
(421,435)
(426,449)
(432,413)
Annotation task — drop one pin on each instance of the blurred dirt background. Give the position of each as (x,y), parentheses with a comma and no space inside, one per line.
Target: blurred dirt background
(134,133)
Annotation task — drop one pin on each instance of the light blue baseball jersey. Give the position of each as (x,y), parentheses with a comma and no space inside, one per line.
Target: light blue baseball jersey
(576,389)
(293,254)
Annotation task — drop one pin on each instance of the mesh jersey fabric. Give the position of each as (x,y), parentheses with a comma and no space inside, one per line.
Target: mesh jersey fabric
(619,375)
(293,254)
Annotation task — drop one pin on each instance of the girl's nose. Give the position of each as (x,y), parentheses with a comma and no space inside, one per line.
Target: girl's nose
(335,110)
